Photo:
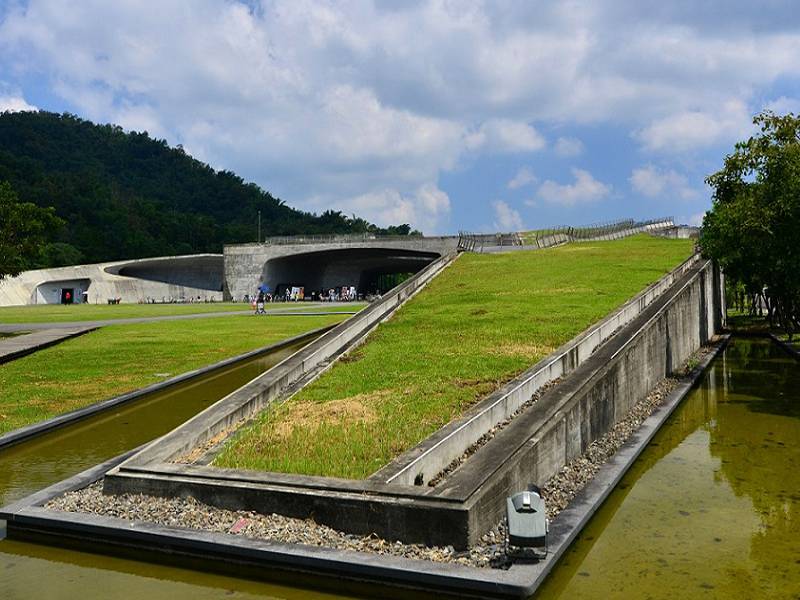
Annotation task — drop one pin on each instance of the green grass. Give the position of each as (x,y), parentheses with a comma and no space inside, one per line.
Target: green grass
(480,323)
(51,313)
(121,358)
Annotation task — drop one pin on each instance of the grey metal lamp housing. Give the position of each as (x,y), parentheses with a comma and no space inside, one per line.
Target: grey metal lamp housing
(527,520)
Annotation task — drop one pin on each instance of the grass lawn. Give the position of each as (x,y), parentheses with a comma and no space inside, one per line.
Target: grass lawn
(121,358)
(51,313)
(483,321)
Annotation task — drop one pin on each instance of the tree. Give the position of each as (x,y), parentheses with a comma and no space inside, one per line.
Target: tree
(127,195)
(23,230)
(753,227)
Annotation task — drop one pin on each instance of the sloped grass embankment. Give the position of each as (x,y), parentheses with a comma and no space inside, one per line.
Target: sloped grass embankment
(480,323)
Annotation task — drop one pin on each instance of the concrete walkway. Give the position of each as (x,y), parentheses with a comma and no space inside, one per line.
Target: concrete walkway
(292,310)
(15,347)
(48,334)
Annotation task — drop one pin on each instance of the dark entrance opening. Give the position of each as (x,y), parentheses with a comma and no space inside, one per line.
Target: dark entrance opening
(384,282)
(67,295)
(369,270)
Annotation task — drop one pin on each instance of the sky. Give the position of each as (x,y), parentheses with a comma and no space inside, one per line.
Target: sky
(448,115)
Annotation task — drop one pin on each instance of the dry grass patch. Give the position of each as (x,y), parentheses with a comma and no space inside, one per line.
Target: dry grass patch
(311,415)
(520,349)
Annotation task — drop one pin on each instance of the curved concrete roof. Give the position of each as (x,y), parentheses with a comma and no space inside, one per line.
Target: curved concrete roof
(131,280)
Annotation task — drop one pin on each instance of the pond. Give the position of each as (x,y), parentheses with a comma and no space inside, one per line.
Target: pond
(711,509)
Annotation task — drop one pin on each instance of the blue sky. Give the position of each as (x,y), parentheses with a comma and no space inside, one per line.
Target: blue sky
(449,115)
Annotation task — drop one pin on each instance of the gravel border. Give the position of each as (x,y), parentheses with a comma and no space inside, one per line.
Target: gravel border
(490,552)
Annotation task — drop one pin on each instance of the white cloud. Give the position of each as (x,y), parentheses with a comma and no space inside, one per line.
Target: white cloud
(653,182)
(506,218)
(586,189)
(523,177)
(567,147)
(15,104)
(505,136)
(691,130)
(425,210)
(784,105)
(321,102)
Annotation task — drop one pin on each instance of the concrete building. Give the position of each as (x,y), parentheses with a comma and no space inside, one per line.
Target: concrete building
(323,262)
(155,279)
(365,262)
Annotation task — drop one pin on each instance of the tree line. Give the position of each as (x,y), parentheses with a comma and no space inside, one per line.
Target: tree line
(753,228)
(123,195)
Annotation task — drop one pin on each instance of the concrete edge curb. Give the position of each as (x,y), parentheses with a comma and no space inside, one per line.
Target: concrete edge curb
(390,572)
(790,349)
(569,523)
(518,582)
(17,436)
(14,355)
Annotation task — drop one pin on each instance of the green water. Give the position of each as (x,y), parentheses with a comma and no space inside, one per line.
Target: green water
(31,466)
(39,572)
(712,507)
(710,510)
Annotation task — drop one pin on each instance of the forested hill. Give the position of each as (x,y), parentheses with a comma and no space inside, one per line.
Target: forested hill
(127,195)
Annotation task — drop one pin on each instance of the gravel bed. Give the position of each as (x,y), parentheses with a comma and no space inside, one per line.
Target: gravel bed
(484,439)
(490,552)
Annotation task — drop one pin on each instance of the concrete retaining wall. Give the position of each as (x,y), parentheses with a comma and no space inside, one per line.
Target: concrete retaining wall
(558,427)
(427,459)
(563,424)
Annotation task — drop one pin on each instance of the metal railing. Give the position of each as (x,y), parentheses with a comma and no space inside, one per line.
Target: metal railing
(555,236)
(344,238)
(480,242)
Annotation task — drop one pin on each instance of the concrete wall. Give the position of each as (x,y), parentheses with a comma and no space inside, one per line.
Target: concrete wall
(325,263)
(680,232)
(564,423)
(599,389)
(175,277)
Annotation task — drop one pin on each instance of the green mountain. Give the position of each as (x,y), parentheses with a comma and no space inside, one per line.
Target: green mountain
(127,195)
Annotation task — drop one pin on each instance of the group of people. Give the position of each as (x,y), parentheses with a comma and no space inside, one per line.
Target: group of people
(343,293)
(181,300)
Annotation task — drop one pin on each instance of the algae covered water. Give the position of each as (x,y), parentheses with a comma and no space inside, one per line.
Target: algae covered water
(47,459)
(712,507)
(710,510)
(30,571)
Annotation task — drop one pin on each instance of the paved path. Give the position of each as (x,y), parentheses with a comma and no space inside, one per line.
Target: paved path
(297,311)
(25,344)
(48,334)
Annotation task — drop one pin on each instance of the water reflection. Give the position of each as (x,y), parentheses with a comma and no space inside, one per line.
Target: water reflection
(30,571)
(712,507)
(40,462)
